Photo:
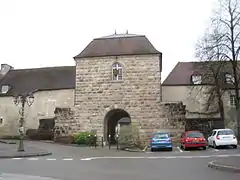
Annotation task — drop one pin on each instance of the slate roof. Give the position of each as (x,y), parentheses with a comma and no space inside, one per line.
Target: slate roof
(118,44)
(29,80)
(182,72)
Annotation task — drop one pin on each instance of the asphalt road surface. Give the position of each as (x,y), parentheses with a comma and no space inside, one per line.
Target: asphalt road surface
(72,163)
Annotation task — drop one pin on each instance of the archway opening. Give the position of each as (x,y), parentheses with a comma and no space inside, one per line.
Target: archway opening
(111,121)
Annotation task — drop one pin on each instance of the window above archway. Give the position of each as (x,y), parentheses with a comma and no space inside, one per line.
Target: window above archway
(117,72)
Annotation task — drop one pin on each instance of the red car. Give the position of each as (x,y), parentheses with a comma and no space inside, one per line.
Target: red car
(193,139)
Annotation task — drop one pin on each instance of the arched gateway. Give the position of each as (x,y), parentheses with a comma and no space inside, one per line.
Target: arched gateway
(111,120)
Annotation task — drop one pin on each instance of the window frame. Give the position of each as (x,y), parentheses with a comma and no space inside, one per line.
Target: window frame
(196,79)
(229,79)
(117,66)
(232,100)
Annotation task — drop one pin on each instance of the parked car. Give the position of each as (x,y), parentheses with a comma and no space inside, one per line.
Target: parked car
(193,139)
(161,140)
(222,137)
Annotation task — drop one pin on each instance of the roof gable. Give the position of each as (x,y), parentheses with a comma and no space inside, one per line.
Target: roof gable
(116,45)
(183,71)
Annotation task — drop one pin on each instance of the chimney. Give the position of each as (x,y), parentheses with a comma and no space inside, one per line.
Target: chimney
(5,68)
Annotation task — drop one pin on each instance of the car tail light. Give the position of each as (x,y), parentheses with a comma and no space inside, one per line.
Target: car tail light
(218,137)
(188,139)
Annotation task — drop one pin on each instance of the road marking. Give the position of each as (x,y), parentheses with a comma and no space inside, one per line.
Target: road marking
(17,158)
(32,159)
(51,159)
(216,150)
(179,149)
(159,157)
(68,159)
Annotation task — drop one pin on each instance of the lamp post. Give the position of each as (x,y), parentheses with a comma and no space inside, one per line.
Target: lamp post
(22,100)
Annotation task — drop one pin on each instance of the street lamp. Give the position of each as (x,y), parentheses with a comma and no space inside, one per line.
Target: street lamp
(22,100)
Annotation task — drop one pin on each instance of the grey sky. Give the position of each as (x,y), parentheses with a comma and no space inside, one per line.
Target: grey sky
(38,33)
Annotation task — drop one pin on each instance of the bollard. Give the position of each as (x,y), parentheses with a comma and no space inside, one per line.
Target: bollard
(117,141)
(102,142)
(89,136)
(95,141)
(109,141)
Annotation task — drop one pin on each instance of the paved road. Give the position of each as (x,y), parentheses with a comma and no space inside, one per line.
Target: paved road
(71,163)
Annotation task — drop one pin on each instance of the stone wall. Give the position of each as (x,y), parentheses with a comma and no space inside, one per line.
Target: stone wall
(65,123)
(172,120)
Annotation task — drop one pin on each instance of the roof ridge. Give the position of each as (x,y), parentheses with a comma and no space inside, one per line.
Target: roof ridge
(118,37)
(39,68)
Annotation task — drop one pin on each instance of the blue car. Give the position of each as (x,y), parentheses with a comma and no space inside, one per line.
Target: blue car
(161,140)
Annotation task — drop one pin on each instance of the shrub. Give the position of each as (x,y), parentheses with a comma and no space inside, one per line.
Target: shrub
(84,138)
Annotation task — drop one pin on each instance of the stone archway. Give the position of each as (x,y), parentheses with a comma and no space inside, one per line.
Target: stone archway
(111,120)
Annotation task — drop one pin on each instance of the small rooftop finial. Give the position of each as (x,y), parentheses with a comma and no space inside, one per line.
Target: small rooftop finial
(127,32)
(115,32)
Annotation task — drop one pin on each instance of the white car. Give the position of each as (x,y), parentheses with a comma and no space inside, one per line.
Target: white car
(222,137)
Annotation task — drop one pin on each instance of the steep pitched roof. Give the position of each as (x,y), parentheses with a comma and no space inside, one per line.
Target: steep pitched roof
(180,75)
(182,72)
(29,80)
(118,44)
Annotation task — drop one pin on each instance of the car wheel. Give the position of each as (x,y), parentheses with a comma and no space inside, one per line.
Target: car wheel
(204,148)
(170,149)
(185,148)
(234,146)
(214,145)
(152,149)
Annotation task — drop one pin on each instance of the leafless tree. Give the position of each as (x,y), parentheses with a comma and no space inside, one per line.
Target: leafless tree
(222,43)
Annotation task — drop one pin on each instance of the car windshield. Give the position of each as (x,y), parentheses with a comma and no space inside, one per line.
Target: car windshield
(161,136)
(194,135)
(225,132)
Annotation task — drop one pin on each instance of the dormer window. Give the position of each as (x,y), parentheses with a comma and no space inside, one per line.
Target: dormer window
(4,89)
(196,79)
(229,79)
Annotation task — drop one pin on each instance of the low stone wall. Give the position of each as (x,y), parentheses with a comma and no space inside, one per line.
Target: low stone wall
(65,123)
(172,119)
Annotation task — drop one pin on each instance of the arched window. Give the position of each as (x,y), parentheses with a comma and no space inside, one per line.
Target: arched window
(117,71)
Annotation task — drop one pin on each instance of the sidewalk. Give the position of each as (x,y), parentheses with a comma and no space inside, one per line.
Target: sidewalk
(231,164)
(10,151)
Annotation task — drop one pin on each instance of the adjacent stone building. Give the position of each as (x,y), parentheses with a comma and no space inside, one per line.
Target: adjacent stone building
(193,84)
(117,77)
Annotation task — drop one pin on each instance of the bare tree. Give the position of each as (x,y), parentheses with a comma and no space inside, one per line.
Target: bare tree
(212,66)
(222,43)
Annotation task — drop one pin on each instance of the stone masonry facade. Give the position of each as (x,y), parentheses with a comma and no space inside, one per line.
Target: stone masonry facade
(138,93)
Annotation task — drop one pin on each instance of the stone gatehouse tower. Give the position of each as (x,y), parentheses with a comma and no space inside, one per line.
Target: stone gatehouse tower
(118,77)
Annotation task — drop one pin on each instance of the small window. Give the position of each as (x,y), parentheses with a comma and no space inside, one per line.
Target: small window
(117,72)
(229,78)
(232,100)
(196,79)
(1,121)
(4,89)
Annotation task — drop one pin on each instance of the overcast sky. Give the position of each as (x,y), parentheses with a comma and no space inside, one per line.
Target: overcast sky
(40,33)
